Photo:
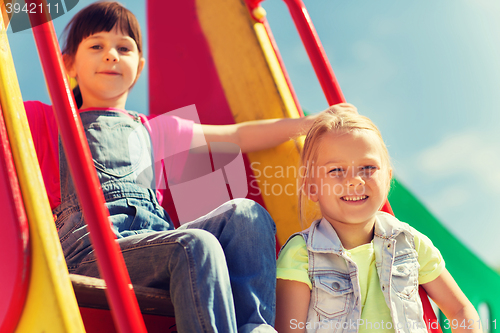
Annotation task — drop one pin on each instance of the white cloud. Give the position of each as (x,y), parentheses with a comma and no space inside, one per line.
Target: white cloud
(469,155)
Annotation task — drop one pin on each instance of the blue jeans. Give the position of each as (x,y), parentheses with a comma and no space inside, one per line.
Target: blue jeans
(220,269)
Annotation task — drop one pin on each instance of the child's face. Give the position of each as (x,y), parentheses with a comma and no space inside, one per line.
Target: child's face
(106,65)
(350,179)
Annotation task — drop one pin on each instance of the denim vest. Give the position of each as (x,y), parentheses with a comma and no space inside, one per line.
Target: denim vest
(335,304)
(121,151)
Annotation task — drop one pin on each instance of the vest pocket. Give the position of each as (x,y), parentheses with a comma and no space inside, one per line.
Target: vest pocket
(332,296)
(405,278)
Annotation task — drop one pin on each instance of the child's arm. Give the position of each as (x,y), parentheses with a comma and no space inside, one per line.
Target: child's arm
(263,134)
(258,134)
(461,314)
(292,304)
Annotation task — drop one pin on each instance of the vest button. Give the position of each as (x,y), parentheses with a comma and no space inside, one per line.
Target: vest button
(336,285)
(383,287)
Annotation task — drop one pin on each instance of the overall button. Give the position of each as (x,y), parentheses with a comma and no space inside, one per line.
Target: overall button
(336,286)
(401,269)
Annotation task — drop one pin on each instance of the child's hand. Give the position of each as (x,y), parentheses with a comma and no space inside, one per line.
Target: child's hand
(342,107)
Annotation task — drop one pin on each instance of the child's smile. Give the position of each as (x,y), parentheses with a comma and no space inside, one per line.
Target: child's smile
(350,180)
(357,199)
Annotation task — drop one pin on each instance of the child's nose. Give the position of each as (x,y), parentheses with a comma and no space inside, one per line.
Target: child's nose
(111,55)
(354,181)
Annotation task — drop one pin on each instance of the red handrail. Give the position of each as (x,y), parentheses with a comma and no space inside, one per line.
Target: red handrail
(317,55)
(124,306)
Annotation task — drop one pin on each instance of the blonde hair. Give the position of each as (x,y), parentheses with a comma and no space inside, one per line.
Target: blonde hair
(339,120)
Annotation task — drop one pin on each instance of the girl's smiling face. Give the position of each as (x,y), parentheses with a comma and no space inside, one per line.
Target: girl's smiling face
(106,66)
(350,180)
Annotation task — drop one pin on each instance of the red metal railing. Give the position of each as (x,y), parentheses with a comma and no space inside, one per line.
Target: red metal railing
(316,52)
(124,306)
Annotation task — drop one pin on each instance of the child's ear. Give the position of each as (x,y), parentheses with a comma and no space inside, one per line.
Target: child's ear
(68,63)
(142,62)
(140,67)
(312,192)
(389,178)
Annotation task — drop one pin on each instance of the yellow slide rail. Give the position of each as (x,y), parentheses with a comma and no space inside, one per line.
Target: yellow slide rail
(255,87)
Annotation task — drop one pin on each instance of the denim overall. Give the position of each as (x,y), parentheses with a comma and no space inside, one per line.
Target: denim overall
(335,304)
(121,148)
(219,269)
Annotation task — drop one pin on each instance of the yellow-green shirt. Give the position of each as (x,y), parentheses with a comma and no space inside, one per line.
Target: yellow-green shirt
(293,265)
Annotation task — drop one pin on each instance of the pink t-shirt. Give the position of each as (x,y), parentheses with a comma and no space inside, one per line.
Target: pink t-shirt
(169,136)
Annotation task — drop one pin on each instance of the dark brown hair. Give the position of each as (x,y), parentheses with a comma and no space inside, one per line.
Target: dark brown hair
(98,17)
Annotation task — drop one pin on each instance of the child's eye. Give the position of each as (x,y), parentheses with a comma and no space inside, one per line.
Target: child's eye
(368,170)
(123,49)
(336,171)
(96,47)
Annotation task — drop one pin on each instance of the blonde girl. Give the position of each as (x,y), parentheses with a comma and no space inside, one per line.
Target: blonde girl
(357,269)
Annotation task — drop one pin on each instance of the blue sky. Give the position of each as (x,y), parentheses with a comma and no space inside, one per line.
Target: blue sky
(426,73)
